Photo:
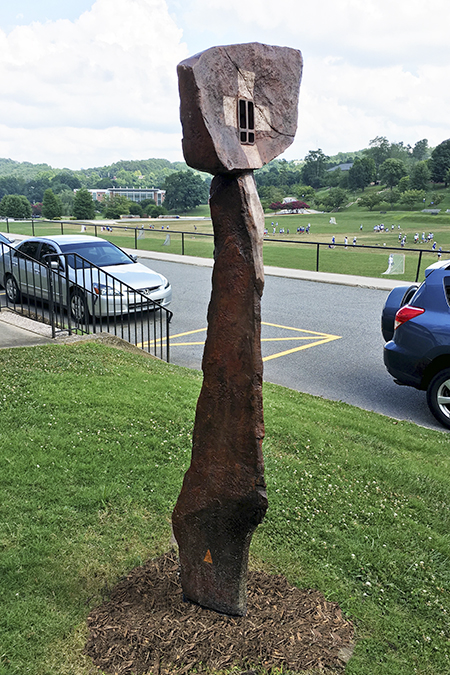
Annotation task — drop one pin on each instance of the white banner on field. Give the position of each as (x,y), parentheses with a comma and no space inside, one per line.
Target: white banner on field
(396,264)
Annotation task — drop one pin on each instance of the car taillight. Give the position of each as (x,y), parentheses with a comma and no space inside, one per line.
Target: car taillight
(406,313)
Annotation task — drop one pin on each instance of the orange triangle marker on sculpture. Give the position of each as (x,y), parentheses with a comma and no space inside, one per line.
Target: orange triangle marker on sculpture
(207,557)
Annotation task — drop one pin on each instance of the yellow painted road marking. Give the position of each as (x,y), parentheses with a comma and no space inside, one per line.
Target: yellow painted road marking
(315,339)
(186,344)
(330,338)
(297,330)
(280,339)
(189,332)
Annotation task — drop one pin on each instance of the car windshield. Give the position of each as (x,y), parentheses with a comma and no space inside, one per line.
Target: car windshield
(4,240)
(101,253)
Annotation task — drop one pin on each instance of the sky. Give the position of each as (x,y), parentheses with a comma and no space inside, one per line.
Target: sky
(89,82)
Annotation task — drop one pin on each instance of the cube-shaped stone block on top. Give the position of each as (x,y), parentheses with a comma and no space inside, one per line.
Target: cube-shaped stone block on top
(239,106)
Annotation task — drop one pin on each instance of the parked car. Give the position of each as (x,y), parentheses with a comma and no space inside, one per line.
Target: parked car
(416,324)
(4,240)
(101,277)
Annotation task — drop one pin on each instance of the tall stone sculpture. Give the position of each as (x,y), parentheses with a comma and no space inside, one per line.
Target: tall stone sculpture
(238,112)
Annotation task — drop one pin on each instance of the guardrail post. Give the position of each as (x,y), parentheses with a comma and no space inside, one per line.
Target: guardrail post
(51,305)
(167,338)
(66,274)
(317,257)
(418,266)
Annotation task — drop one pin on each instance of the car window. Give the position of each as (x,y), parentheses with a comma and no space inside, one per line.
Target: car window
(447,289)
(28,248)
(101,253)
(46,250)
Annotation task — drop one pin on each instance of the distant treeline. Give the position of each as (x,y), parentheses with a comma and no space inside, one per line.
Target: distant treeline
(396,165)
(32,180)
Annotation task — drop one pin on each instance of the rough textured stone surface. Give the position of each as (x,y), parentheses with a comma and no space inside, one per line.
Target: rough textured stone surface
(239,111)
(223,496)
(210,85)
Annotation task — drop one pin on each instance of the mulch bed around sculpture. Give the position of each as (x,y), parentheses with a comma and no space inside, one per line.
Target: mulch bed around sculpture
(146,627)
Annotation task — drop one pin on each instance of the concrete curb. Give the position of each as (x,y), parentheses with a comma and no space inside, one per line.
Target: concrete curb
(25,323)
(304,275)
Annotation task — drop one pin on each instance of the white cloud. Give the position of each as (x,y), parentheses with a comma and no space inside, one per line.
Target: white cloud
(352,105)
(371,67)
(78,147)
(103,87)
(113,68)
(357,28)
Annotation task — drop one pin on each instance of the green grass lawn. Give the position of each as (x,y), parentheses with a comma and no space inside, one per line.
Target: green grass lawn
(94,442)
(188,236)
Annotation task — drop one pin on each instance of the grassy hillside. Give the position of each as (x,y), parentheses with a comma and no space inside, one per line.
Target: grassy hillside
(93,446)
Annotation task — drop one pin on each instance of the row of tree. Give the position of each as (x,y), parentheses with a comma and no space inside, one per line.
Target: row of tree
(401,168)
(83,207)
(19,178)
(184,191)
(380,161)
(32,180)
(19,207)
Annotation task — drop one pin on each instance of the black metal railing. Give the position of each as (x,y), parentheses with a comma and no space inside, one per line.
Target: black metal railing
(74,295)
(138,231)
(271,240)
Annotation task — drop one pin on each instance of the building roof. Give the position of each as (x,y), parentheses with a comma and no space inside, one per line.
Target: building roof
(343,167)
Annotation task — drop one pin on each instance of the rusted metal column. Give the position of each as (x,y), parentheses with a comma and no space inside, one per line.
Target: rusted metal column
(231,125)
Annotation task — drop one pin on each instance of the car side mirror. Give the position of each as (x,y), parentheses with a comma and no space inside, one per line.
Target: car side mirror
(57,265)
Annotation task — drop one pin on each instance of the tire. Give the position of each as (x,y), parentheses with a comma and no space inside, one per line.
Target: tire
(438,397)
(12,289)
(78,306)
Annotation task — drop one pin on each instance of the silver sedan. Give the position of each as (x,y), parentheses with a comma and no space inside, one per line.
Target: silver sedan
(90,275)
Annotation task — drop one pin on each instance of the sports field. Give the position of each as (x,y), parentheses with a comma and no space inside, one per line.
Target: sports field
(366,254)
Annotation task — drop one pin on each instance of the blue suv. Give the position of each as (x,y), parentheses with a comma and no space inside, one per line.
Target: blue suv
(415,323)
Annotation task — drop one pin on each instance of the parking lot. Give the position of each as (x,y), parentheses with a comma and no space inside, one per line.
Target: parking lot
(319,338)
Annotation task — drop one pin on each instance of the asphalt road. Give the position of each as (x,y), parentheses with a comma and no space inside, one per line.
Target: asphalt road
(318,338)
(332,334)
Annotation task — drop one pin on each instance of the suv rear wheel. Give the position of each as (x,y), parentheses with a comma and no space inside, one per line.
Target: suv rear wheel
(438,397)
